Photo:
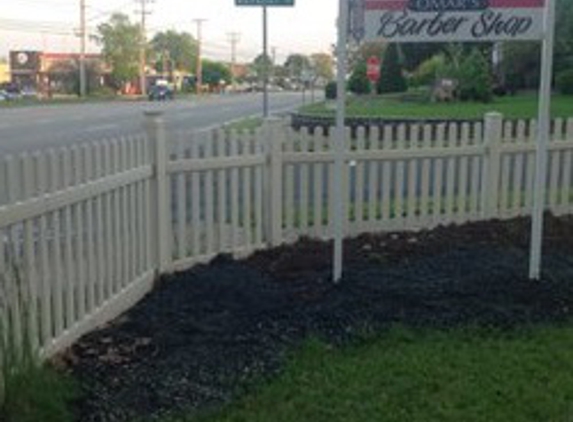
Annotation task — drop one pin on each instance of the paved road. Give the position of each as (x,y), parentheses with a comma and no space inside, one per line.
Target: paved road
(32,128)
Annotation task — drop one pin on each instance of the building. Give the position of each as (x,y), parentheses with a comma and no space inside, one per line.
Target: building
(49,73)
(4,73)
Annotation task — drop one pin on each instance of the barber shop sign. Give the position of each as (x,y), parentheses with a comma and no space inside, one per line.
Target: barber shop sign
(446,20)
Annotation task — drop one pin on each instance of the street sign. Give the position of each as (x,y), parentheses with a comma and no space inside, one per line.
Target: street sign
(373,69)
(264,2)
(447,20)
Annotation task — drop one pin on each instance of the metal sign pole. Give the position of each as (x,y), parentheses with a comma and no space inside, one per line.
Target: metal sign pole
(339,152)
(543,133)
(265,66)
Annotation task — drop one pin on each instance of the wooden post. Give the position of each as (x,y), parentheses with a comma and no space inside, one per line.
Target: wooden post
(491,167)
(155,130)
(274,133)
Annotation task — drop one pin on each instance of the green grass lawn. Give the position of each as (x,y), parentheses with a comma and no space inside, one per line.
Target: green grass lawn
(520,106)
(407,376)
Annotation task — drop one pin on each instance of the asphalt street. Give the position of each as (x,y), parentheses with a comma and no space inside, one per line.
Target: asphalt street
(40,127)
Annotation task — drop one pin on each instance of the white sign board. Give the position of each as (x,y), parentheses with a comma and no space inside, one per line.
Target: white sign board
(446,20)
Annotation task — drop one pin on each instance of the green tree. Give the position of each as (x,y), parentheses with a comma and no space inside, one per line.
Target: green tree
(364,51)
(323,64)
(215,72)
(391,75)
(475,80)
(359,82)
(120,41)
(296,64)
(260,64)
(174,51)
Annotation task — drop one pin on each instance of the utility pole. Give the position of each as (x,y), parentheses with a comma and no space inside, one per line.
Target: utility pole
(199,69)
(265,65)
(234,38)
(144,12)
(82,48)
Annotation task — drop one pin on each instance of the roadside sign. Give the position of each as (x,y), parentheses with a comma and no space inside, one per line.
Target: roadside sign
(448,20)
(373,69)
(415,21)
(264,2)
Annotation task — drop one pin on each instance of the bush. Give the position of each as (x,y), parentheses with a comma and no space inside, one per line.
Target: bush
(391,76)
(359,82)
(564,82)
(330,90)
(430,70)
(29,390)
(475,78)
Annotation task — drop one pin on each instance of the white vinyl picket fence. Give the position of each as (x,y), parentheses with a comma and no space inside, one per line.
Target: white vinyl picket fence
(89,228)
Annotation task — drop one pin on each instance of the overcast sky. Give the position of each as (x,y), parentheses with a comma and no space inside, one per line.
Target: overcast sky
(48,25)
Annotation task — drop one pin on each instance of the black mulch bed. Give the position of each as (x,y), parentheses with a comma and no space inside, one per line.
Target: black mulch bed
(202,334)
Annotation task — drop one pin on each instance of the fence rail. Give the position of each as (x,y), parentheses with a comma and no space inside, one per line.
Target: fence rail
(89,228)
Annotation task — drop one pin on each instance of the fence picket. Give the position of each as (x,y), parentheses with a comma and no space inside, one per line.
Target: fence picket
(303,173)
(259,189)
(555,165)
(30,281)
(475,193)
(57,273)
(234,152)
(45,289)
(567,194)
(69,271)
(13,287)
(462,203)
(222,193)
(530,176)
(438,177)
(425,176)
(288,210)
(373,178)
(209,199)
(317,172)
(451,175)
(246,197)
(79,244)
(412,213)
(399,185)
(99,231)
(196,226)
(518,171)
(181,205)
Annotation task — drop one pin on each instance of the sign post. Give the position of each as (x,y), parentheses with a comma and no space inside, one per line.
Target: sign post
(265,4)
(340,140)
(543,132)
(450,21)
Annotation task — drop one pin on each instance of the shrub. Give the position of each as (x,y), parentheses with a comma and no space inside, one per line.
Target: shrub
(29,390)
(564,82)
(475,78)
(359,82)
(330,90)
(430,70)
(391,75)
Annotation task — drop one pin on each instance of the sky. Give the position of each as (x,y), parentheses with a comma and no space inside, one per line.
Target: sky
(49,25)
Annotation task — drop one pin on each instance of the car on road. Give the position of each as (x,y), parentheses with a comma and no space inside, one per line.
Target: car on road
(160,93)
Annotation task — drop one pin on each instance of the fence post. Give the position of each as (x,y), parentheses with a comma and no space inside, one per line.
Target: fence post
(492,163)
(274,133)
(155,130)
